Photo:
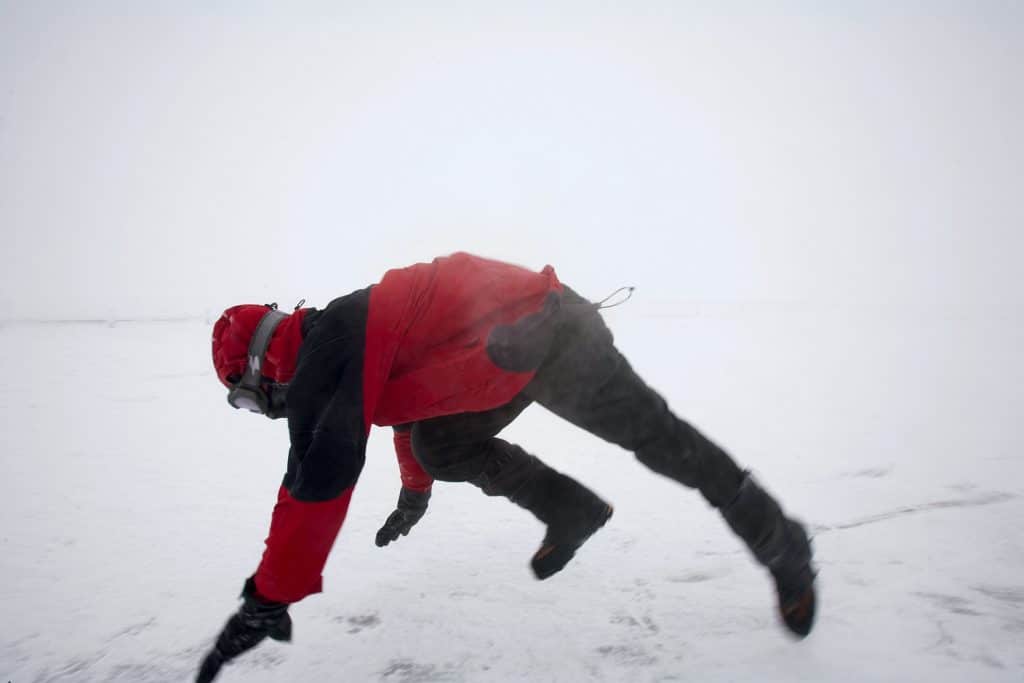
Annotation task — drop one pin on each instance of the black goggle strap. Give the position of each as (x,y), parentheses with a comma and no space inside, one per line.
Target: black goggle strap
(258,348)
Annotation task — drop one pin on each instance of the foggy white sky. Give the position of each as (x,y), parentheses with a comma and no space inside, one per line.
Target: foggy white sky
(177,159)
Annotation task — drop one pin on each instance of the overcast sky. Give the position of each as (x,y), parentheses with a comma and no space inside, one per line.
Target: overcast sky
(168,158)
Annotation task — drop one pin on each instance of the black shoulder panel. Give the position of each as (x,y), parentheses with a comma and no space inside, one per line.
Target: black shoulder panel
(325,402)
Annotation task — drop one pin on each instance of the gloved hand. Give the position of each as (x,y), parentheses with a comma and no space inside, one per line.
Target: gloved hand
(411,507)
(255,620)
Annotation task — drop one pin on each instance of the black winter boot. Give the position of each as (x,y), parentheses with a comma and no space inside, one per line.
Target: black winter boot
(571,511)
(575,514)
(781,545)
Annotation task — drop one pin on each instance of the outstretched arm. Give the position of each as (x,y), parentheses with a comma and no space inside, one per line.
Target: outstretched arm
(328,427)
(324,462)
(415,492)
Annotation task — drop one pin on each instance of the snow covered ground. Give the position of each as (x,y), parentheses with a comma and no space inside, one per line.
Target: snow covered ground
(134,502)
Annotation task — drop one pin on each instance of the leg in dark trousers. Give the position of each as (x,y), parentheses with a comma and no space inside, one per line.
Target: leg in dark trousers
(464,447)
(588,382)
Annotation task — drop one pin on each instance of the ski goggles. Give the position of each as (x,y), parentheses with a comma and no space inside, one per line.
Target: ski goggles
(251,392)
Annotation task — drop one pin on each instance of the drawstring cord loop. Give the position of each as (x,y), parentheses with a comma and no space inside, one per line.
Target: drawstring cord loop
(602,303)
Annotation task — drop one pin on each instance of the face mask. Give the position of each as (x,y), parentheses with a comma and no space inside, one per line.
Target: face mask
(251,392)
(266,399)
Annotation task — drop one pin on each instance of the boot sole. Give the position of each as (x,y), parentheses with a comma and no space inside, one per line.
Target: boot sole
(552,558)
(799,615)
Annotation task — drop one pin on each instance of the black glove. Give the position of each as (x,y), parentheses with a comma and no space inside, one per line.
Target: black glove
(410,508)
(255,620)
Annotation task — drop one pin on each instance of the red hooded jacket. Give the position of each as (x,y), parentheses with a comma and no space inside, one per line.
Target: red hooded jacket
(412,347)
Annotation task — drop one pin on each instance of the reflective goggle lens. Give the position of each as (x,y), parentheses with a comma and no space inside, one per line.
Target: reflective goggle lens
(245,400)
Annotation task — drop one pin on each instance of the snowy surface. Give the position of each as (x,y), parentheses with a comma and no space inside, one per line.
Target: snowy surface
(160,158)
(135,501)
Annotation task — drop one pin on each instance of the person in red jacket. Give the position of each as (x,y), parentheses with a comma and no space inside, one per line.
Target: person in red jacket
(448,353)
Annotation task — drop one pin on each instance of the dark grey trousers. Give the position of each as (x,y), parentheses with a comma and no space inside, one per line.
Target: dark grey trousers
(587,381)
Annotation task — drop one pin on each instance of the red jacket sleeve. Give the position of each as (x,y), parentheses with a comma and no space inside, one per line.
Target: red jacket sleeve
(301,536)
(327,426)
(325,460)
(414,477)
